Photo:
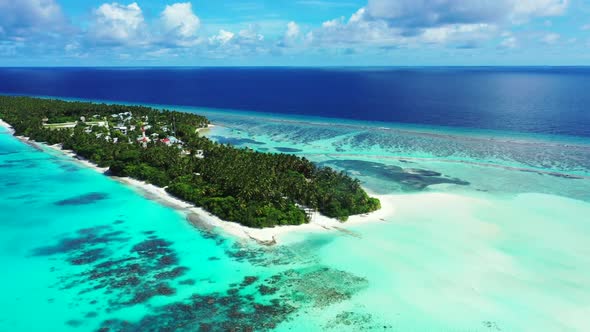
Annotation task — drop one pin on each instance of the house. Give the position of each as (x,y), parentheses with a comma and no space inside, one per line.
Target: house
(171,140)
(144,139)
(199,154)
(97,123)
(122,129)
(125,116)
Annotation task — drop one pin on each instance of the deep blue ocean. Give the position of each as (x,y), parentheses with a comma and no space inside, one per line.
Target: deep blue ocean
(530,100)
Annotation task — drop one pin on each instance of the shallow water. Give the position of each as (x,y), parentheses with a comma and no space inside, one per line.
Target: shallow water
(82,251)
(489,234)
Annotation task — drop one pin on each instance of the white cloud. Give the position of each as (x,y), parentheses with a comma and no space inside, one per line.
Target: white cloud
(525,9)
(551,38)
(161,52)
(333,23)
(293,30)
(358,16)
(339,31)
(176,31)
(245,42)
(115,23)
(179,19)
(23,18)
(509,42)
(249,35)
(378,33)
(244,39)
(222,38)
(292,35)
(463,35)
(308,37)
(458,23)
(72,47)
(427,13)
(74,50)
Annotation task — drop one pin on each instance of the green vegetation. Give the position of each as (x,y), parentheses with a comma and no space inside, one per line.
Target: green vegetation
(252,188)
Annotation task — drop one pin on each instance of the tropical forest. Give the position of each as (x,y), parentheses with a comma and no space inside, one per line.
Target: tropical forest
(167,149)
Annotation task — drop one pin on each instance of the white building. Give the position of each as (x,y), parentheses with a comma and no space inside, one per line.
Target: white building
(122,129)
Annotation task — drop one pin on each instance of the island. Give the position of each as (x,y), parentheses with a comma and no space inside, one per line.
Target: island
(165,148)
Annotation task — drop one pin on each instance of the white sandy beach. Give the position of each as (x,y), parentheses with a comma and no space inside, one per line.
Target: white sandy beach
(268,236)
(273,235)
(209,126)
(7,126)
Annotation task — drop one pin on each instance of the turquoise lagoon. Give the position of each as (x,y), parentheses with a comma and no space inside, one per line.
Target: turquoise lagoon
(490,233)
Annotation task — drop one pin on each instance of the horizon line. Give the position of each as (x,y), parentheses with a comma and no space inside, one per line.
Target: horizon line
(304,67)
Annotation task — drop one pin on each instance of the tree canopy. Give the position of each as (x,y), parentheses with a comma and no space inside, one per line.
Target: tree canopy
(252,188)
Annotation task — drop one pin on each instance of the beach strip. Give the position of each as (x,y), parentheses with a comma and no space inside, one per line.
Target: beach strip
(7,126)
(204,220)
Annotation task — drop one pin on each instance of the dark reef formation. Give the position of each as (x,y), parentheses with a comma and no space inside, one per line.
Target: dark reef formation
(408,179)
(85,199)
(118,273)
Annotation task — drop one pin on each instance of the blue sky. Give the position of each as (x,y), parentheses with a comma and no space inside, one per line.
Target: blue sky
(294,32)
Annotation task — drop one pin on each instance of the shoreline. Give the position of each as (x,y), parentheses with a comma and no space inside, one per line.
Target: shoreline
(7,126)
(209,126)
(202,219)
